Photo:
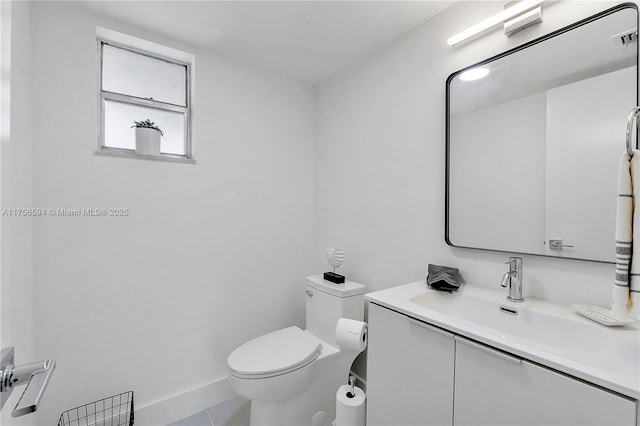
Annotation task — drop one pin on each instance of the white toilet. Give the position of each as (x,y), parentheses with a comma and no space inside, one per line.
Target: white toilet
(291,375)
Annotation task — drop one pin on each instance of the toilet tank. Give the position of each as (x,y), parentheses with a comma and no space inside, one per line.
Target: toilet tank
(328,302)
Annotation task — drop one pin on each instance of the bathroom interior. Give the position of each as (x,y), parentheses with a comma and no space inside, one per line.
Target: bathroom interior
(308,125)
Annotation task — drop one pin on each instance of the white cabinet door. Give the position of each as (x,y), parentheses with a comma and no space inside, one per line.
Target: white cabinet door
(495,388)
(409,371)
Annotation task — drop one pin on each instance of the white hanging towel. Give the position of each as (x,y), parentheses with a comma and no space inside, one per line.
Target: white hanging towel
(626,289)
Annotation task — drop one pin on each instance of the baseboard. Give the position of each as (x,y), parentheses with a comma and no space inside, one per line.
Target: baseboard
(184,403)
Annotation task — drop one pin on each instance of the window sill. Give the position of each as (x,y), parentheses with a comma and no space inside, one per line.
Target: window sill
(128,153)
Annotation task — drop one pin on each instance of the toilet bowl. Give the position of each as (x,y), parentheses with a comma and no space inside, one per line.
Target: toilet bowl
(274,366)
(291,375)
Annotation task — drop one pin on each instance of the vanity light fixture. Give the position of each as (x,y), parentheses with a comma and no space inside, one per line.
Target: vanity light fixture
(474,74)
(496,19)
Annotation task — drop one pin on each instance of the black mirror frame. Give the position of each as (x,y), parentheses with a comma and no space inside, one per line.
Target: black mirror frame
(538,40)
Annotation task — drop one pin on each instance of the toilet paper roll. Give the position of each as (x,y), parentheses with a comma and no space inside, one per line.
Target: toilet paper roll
(351,334)
(350,411)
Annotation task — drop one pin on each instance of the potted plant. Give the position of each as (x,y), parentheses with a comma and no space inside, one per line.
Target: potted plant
(147,137)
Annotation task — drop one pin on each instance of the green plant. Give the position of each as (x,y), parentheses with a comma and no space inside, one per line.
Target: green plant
(148,124)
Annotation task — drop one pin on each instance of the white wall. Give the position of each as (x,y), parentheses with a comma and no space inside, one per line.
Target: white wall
(212,254)
(17,310)
(380,162)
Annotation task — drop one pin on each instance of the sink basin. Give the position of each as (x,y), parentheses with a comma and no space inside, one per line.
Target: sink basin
(533,321)
(542,332)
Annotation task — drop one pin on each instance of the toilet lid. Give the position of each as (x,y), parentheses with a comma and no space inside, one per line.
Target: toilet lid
(274,353)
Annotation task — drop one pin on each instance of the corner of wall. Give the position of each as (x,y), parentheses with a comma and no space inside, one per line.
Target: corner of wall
(184,404)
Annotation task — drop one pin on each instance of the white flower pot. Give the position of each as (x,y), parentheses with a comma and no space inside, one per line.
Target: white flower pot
(147,141)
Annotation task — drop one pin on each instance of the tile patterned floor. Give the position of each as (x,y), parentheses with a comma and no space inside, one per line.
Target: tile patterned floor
(234,412)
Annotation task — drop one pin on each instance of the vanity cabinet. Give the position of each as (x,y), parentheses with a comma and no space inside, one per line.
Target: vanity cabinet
(497,388)
(409,371)
(418,374)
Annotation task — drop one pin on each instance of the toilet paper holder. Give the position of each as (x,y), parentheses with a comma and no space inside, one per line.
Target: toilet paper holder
(350,405)
(352,383)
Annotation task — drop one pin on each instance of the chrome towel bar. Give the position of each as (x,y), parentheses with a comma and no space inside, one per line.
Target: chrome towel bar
(632,127)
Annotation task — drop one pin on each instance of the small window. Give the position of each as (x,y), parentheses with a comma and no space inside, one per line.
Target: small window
(136,86)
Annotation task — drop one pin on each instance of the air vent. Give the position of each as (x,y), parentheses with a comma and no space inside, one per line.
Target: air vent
(622,40)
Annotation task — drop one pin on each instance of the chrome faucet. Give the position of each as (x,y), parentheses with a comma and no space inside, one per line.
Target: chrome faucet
(513,279)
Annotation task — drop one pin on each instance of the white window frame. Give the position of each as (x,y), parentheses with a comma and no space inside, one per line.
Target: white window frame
(154,51)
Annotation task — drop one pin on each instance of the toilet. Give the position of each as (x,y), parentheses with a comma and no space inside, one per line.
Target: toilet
(291,375)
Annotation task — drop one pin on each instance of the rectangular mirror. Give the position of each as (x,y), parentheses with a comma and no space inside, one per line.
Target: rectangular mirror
(533,146)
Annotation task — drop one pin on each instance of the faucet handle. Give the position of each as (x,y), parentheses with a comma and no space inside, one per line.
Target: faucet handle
(512,260)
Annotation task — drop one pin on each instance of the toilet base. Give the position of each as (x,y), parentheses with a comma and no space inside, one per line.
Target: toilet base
(320,396)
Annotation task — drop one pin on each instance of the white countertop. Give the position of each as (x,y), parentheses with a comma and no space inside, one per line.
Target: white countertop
(605,356)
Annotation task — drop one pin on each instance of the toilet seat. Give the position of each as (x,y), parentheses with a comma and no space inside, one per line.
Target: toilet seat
(275,353)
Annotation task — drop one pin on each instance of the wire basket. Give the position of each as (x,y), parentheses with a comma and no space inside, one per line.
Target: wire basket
(117,410)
